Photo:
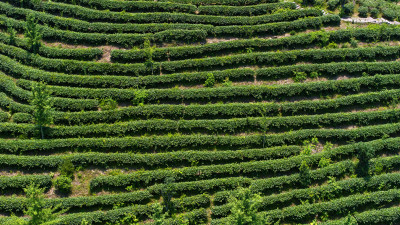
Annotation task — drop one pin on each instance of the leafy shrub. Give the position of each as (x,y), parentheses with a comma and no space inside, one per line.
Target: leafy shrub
(363,11)
(33,33)
(332,45)
(389,14)
(210,81)
(63,184)
(227,82)
(299,76)
(167,192)
(22,118)
(67,168)
(314,74)
(332,4)
(140,97)
(353,43)
(13,35)
(244,208)
(347,9)
(324,162)
(108,104)
(305,176)
(374,12)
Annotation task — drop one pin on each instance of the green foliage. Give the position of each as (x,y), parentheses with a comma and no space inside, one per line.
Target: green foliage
(314,74)
(305,177)
(324,162)
(12,35)
(33,33)
(374,12)
(210,81)
(42,103)
(108,104)
(67,168)
(332,45)
(148,49)
(244,210)
(350,220)
(63,184)
(332,4)
(226,82)
(364,154)
(128,219)
(168,191)
(363,11)
(347,9)
(158,216)
(36,210)
(353,43)
(299,76)
(139,97)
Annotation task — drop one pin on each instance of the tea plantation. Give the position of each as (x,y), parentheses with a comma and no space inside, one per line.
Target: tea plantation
(199,112)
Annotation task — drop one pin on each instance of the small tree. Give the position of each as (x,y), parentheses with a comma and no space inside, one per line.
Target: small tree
(148,50)
(158,216)
(63,184)
(140,97)
(365,153)
(67,168)
(305,176)
(42,106)
(33,33)
(350,220)
(13,34)
(108,104)
(36,207)
(210,81)
(244,208)
(167,192)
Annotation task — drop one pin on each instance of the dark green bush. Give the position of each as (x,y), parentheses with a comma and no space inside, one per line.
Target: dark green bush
(374,12)
(22,118)
(363,11)
(63,184)
(67,168)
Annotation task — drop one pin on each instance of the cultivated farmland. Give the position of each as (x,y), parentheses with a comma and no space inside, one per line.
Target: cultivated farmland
(119,111)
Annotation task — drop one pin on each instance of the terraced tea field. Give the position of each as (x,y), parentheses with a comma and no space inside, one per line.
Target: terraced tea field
(115,107)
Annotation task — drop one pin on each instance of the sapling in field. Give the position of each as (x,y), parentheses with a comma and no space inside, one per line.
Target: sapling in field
(42,106)
(33,33)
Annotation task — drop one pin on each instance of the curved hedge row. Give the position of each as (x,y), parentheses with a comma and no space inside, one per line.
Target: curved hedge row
(12,106)
(110,39)
(16,204)
(296,41)
(8,86)
(160,6)
(378,216)
(240,110)
(168,142)
(111,216)
(91,15)
(220,2)
(313,194)
(134,6)
(56,52)
(253,10)
(4,116)
(337,207)
(18,182)
(159,160)
(233,93)
(216,126)
(140,179)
